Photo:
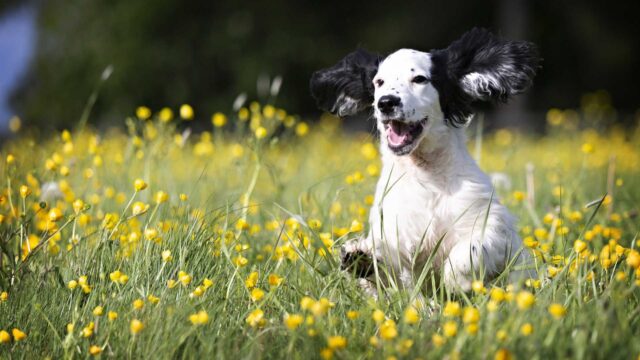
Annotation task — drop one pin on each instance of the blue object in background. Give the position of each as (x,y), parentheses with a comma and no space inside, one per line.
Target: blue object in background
(17,44)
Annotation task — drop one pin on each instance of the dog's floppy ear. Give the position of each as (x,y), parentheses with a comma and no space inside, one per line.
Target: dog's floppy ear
(346,88)
(481,67)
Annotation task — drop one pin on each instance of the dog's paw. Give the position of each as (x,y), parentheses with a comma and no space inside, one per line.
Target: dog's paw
(356,261)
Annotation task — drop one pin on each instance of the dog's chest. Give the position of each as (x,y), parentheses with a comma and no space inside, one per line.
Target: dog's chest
(410,213)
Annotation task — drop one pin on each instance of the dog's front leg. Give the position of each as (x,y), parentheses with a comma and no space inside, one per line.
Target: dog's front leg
(357,257)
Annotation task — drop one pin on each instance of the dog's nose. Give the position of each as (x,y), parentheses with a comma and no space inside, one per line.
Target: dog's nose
(388,103)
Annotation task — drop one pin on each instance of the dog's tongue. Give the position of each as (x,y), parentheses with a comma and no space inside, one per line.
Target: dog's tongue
(398,133)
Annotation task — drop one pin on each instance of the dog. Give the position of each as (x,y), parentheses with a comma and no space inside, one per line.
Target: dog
(433,205)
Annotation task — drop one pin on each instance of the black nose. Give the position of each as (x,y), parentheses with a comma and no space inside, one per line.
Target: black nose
(387,103)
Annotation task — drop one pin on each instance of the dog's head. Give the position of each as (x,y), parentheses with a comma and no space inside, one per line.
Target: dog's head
(416,93)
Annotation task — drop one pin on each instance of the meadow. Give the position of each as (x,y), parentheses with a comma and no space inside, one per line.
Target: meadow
(153,241)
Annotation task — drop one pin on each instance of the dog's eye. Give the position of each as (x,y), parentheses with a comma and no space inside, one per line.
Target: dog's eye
(379,82)
(419,79)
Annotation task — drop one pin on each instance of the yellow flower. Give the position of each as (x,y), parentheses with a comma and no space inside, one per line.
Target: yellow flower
(139,185)
(470,315)
(186,112)
(78,205)
(451,309)
(240,261)
(633,259)
(112,315)
(72,284)
(118,277)
(165,114)
(497,294)
(478,287)
(138,304)
(501,335)
(4,296)
(302,129)
(199,318)
(503,354)
(95,350)
(219,119)
(438,340)
(526,329)
(558,311)
(143,112)
(256,318)
(321,306)
(136,326)
(171,283)
(450,329)
(579,246)
(18,334)
(587,148)
(151,234)
(293,321)
(11,159)
(388,330)
(184,278)
(257,294)
(153,299)
(139,208)
(275,280)
(525,300)
(492,306)
(161,197)
(378,316)
(374,341)
(356,226)
(207,283)
(55,214)
(166,256)
(243,114)
(519,195)
(411,315)
(352,314)
(326,354)
(24,191)
(261,132)
(98,311)
(4,337)
(530,242)
(336,342)
(306,303)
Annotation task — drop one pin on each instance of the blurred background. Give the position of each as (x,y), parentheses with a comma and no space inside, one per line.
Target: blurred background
(205,53)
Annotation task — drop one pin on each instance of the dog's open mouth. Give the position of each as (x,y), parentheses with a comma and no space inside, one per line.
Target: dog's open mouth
(402,136)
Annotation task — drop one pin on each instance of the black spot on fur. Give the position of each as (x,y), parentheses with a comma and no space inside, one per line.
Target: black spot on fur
(346,88)
(512,64)
(357,262)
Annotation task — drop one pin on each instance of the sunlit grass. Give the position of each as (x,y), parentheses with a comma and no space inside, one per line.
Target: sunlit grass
(161,243)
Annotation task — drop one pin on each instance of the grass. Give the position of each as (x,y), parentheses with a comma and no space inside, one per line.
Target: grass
(231,248)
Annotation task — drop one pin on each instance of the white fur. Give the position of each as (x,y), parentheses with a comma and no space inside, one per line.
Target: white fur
(435,192)
(479,85)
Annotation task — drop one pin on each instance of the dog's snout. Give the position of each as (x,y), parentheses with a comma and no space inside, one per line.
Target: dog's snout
(388,103)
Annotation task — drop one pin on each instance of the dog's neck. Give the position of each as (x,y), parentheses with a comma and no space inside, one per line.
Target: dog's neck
(441,160)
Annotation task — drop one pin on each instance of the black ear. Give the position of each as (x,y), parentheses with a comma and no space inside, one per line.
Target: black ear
(346,89)
(481,67)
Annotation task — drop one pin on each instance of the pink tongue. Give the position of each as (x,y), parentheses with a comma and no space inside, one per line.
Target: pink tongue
(398,133)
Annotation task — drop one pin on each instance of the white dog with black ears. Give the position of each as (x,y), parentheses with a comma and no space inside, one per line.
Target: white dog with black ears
(431,195)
